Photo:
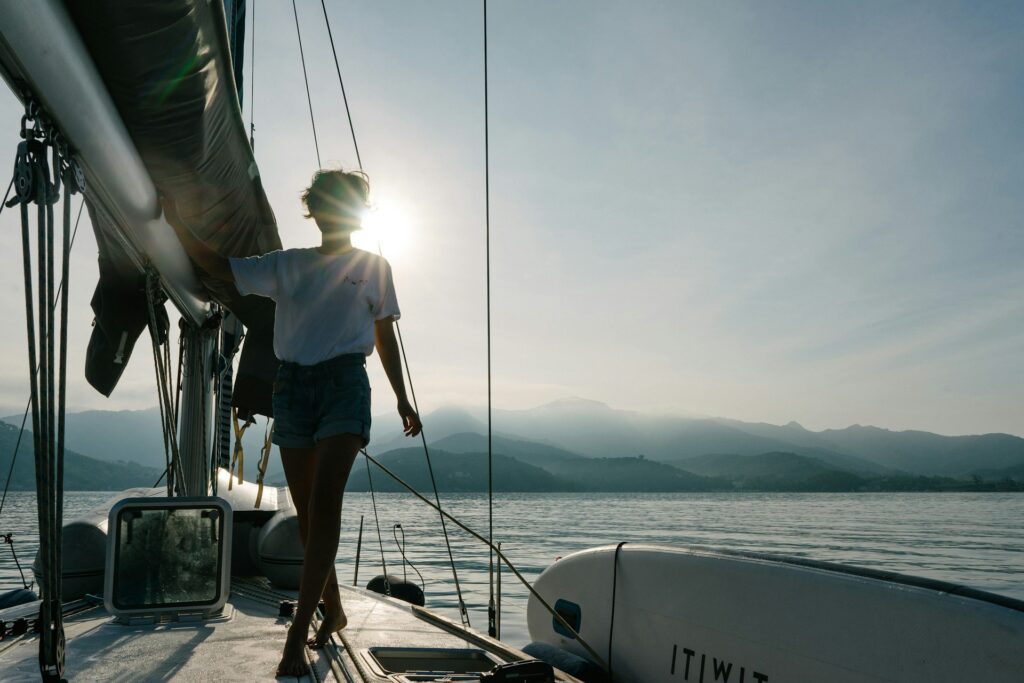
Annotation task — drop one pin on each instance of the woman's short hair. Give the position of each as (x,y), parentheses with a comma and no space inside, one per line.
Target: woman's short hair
(334,191)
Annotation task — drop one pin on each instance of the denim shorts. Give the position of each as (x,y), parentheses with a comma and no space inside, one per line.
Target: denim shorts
(313,402)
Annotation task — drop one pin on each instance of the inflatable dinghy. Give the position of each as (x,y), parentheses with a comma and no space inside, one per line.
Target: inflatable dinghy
(694,615)
(266,538)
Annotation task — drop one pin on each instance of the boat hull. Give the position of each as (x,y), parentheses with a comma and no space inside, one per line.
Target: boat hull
(692,615)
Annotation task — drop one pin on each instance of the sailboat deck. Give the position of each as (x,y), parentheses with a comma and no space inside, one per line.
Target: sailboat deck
(246,643)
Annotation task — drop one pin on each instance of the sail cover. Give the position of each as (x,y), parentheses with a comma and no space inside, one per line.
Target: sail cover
(168,69)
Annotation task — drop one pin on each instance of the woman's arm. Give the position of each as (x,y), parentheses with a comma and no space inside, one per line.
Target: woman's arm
(391,359)
(209,260)
(213,263)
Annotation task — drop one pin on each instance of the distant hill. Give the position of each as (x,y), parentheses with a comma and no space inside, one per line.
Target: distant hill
(530,452)
(586,445)
(927,453)
(1014,473)
(595,430)
(135,436)
(114,435)
(468,472)
(81,473)
(454,472)
(632,474)
(774,472)
(590,474)
(776,464)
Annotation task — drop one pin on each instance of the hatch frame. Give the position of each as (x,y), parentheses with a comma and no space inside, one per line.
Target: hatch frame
(180,610)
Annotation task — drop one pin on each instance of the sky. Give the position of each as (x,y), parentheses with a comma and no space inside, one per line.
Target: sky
(762,211)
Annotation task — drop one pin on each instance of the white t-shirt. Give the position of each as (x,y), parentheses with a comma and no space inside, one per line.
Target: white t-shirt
(326,303)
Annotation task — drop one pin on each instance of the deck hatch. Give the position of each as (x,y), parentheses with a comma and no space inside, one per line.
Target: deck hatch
(167,556)
(412,660)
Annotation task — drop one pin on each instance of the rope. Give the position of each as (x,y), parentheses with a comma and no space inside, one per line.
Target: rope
(261,466)
(376,519)
(41,497)
(14,458)
(533,591)
(35,372)
(252,79)
(168,407)
(154,347)
(238,456)
(44,466)
(181,367)
(337,68)
(32,176)
(305,79)
(611,621)
(219,414)
(492,625)
(463,612)
(9,540)
(204,396)
(406,560)
(62,384)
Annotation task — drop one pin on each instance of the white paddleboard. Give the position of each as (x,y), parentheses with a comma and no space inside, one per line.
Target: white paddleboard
(686,615)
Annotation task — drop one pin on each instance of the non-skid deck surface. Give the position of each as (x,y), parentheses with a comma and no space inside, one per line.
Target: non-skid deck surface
(244,647)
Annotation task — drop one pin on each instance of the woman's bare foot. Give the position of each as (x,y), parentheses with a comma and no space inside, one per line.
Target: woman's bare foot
(330,624)
(293,659)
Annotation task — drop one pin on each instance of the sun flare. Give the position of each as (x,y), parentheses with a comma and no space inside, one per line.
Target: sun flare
(386,224)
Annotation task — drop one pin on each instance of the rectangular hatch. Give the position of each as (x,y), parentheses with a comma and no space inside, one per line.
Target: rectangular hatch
(167,557)
(432,661)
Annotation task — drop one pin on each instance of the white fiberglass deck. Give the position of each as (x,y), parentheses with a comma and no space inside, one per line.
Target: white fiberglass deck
(246,644)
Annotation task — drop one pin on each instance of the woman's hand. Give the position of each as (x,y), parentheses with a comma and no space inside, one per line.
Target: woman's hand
(411,424)
(390,358)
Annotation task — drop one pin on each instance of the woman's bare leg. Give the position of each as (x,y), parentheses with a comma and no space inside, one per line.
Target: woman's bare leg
(299,470)
(332,459)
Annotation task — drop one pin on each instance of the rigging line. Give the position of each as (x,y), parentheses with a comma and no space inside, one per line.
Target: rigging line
(401,549)
(463,612)
(62,355)
(252,79)
(28,404)
(33,375)
(344,97)
(305,78)
(161,366)
(376,519)
(9,540)
(491,610)
(522,579)
(157,365)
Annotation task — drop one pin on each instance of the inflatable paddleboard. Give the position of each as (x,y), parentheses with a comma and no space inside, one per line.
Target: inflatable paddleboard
(691,615)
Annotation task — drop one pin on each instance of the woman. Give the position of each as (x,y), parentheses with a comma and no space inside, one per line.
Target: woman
(335,303)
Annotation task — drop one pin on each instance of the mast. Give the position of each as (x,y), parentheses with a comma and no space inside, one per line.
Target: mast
(199,344)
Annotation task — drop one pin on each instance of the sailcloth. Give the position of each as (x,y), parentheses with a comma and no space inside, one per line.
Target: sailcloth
(168,69)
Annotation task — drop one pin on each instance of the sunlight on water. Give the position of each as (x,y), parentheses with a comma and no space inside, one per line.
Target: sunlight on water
(966,538)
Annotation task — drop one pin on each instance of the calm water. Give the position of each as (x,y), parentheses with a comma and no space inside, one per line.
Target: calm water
(975,539)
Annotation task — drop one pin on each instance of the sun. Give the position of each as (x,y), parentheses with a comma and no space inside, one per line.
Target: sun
(386,226)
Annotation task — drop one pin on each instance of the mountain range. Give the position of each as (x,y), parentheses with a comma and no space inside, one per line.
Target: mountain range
(81,472)
(594,429)
(581,445)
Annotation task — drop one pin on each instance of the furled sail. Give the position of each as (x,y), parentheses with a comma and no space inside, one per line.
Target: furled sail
(167,67)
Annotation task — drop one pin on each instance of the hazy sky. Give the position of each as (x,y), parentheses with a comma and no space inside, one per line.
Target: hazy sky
(766,211)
